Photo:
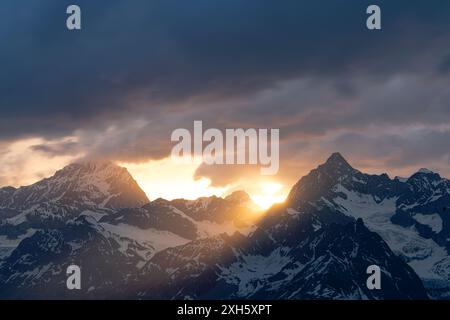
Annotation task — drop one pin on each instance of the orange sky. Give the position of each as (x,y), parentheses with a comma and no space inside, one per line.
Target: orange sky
(23,165)
(169,180)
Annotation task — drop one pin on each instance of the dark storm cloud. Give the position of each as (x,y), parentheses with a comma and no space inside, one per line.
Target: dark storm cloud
(444,67)
(312,107)
(139,69)
(395,153)
(57,149)
(134,58)
(415,148)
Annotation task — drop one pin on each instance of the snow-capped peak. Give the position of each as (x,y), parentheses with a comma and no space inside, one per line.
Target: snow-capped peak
(425,170)
(425,176)
(92,184)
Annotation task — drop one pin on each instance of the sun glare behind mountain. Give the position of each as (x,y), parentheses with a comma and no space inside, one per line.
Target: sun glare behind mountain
(165,179)
(169,180)
(271,193)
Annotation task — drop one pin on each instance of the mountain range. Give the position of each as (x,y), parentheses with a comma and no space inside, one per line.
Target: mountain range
(336,222)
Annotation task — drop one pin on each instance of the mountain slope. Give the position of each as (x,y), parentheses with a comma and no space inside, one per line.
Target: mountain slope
(94,185)
(109,242)
(190,219)
(92,188)
(409,214)
(289,256)
(335,223)
(36,269)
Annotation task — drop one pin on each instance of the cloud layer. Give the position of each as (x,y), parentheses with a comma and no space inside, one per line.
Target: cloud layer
(137,71)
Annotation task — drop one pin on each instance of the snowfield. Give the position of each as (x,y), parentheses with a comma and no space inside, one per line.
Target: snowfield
(425,256)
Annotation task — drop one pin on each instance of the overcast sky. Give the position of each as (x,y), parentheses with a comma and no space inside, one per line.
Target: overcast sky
(140,69)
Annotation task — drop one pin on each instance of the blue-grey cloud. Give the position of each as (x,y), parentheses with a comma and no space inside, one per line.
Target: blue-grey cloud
(141,56)
(139,69)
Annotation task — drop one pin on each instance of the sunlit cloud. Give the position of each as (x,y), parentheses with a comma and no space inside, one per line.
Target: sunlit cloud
(270,193)
(169,179)
(23,164)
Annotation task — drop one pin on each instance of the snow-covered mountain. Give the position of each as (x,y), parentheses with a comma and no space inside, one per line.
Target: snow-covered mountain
(190,219)
(80,188)
(93,185)
(287,257)
(100,187)
(335,223)
(216,209)
(412,215)
(96,216)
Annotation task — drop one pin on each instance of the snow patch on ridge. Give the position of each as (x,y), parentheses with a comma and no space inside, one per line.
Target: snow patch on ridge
(251,270)
(421,254)
(434,221)
(157,239)
(425,170)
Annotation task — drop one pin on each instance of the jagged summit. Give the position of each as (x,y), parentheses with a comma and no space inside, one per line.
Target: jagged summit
(424,174)
(90,184)
(87,169)
(91,165)
(319,180)
(238,196)
(317,245)
(338,162)
(336,157)
(425,170)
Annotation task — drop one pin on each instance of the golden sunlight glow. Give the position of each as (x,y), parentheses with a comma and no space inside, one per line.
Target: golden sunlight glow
(164,178)
(271,193)
(22,164)
(171,180)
